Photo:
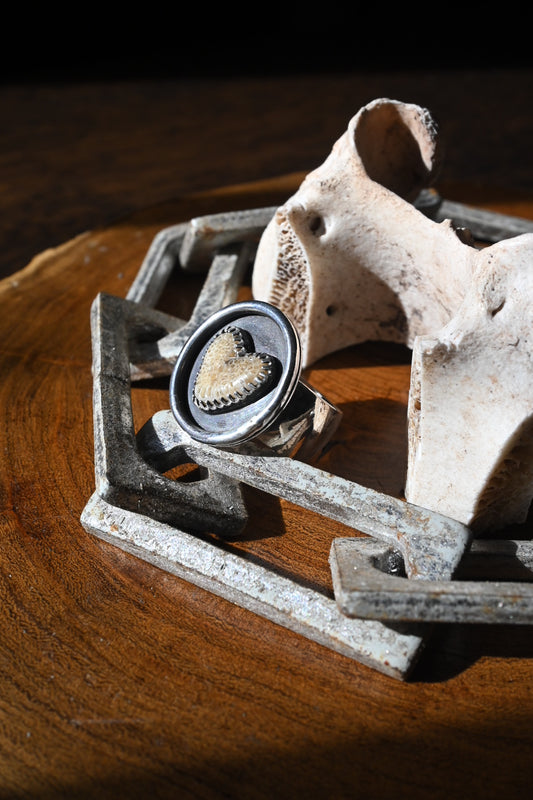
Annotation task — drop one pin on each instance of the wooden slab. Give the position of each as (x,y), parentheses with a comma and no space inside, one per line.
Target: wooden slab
(120,680)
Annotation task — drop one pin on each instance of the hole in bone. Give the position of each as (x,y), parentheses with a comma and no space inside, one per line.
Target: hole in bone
(330,310)
(497,309)
(317,226)
(393,151)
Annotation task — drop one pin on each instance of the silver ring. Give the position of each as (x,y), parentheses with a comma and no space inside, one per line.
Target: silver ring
(238,378)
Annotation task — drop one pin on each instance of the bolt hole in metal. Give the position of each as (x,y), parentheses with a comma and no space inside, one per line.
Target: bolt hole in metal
(391,562)
(490,561)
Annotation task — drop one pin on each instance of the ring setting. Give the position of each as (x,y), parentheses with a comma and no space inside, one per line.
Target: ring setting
(238,379)
(231,373)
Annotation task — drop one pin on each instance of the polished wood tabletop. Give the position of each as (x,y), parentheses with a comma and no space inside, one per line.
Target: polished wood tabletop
(119,679)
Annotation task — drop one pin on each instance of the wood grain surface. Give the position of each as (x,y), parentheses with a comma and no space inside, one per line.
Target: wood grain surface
(121,681)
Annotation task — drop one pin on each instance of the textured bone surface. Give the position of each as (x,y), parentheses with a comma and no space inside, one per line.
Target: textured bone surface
(348,256)
(471,398)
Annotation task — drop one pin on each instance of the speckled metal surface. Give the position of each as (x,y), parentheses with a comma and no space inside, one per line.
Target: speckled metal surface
(369,583)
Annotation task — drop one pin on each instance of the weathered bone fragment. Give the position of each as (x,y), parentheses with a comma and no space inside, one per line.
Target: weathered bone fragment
(349,257)
(471,398)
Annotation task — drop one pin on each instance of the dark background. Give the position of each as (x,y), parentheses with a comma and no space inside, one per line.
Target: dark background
(228,55)
(100,117)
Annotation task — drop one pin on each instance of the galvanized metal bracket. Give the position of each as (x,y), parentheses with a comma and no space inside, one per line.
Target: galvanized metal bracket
(255,588)
(138,508)
(370,582)
(432,545)
(122,475)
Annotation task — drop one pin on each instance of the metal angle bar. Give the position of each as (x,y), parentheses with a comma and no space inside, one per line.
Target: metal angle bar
(122,476)
(191,246)
(131,509)
(212,232)
(484,225)
(365,587)
(431,544)
(157,357)
(129,494)
(264,592)
(157,266)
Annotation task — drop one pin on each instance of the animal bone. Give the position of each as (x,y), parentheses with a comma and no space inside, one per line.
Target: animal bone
(471,398)
(349,257)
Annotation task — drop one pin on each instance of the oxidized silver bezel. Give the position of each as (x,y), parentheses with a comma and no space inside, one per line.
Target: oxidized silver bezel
(273,333)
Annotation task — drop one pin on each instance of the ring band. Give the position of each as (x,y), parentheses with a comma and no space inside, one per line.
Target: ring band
(238,378)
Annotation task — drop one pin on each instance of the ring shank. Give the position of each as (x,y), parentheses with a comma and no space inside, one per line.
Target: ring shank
(305,427)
